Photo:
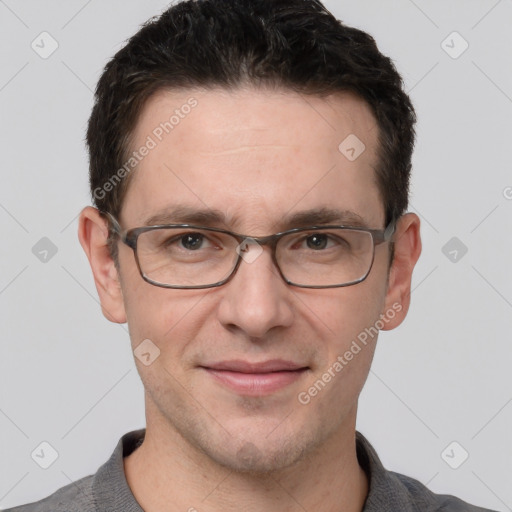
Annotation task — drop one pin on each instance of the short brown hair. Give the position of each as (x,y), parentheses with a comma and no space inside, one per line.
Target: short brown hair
(293,44)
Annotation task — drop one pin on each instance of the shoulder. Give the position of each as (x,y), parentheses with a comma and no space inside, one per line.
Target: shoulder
(390,491)
(75,497)
(107,489)
(422,499)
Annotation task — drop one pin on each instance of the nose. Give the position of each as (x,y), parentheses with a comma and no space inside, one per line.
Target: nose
(256,299)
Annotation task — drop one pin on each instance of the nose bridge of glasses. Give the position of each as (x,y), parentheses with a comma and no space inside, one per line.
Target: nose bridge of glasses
(250,248)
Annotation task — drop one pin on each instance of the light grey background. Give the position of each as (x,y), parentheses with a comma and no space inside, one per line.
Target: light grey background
(67,375)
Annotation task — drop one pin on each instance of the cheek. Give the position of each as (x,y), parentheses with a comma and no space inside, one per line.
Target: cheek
(343,313)
(345,352)
(169,318)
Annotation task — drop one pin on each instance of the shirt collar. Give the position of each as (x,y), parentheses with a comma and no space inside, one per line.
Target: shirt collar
(110,488)
(386,492)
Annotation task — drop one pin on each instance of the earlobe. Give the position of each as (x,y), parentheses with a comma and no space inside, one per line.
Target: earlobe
(93,235)
(407,250)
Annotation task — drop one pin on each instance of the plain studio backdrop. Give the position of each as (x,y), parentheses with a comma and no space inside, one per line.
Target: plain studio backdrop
(438,401)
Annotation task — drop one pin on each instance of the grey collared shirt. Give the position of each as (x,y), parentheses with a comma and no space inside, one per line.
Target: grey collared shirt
(108,490)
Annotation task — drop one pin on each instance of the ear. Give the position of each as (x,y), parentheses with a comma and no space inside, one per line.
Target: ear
(406,253)
(93,235)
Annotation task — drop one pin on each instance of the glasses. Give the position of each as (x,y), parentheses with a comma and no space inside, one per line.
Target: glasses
(187,257)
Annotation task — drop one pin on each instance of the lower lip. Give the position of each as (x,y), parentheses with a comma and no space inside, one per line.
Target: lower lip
(255,384)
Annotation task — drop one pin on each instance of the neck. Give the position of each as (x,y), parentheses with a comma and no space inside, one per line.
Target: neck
(167,473)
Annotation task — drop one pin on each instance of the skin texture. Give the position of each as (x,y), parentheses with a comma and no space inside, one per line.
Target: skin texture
(256,156)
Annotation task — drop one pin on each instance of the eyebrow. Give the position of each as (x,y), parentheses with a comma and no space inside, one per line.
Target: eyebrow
(183,214)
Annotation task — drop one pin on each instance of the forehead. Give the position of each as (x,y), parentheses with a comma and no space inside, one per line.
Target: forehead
(255,155)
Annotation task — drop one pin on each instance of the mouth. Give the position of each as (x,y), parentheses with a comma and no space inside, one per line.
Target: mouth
(255,379)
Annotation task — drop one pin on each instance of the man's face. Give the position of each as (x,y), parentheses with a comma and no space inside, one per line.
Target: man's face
(258,158)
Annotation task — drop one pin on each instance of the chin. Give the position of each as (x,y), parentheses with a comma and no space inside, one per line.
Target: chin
(258,451)
(252,460)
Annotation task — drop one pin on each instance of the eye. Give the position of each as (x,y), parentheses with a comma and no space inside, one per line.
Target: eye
(320,242)
(192,241)
(317,241)
(186,241)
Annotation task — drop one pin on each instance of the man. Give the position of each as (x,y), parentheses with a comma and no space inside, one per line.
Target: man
(249,163)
